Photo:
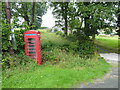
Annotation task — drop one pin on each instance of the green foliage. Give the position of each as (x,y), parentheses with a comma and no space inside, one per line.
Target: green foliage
(51,40)
(108,31)
(26,13)
(47,46)
(60,11)
(83,46)
(86,49)
(10,61)
(48,56)
(65,59)
(56,49)
(5,36)
(19,35)
(55,30)
(59,33)
(94,15)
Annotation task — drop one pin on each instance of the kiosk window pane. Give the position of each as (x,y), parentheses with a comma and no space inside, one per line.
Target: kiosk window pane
(31,43)
(31,46)
(30,39)
(31,52)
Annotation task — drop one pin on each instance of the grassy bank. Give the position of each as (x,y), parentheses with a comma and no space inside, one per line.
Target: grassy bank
(60,69)
(108,42)
(51,76)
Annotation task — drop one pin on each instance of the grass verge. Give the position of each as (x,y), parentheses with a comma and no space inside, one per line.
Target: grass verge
(51,76)
(108,42)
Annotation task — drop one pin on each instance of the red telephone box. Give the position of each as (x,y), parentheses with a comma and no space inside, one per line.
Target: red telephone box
(32,45)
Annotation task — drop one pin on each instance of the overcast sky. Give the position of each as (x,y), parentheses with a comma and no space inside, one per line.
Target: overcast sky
(48,19)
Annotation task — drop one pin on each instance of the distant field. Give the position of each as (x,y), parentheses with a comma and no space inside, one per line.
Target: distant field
(108,42)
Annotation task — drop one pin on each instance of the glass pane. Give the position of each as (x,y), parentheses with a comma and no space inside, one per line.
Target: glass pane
(31,49)
(30,39)
(31,46)
(31,52)
(31,43)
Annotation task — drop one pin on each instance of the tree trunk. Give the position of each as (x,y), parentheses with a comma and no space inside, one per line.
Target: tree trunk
(93,37)
(64,15)
(86,28)
(8,17)
(93,33)
(66,24)
(33,15)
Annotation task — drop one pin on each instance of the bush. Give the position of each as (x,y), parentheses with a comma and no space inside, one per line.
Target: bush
(9,61)
(65,59)
(47,46)
(49,57)
(5,36)
(59,33)
(84,48)
(71,37)
(19,35)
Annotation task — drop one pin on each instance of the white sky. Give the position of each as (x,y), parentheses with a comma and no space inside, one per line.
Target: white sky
(48,19)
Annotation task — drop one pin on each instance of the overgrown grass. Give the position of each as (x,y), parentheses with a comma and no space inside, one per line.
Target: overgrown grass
(53,39)
(60,69)
(108,42)
(51,76)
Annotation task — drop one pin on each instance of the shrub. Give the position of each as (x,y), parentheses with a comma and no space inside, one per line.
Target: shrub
(48,56)
(5,37)
(86,49)
(47,46)
(19,35)
(59,33)
(9,61)
(69,60)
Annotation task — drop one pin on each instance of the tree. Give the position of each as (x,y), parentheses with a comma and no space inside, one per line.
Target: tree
(8,19)
(60,11)
(96,15)
(33,15)
(20,16)
(93,15)
(33,19)
(118,20)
